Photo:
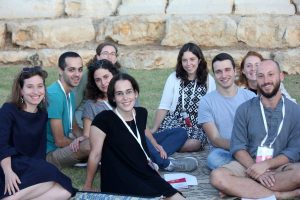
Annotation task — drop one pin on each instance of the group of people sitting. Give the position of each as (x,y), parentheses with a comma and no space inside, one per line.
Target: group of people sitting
(250,127)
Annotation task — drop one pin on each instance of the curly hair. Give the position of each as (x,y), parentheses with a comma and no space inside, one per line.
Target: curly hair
(18,84)
(242,79)
(92,91)
(202,70)
(99,50)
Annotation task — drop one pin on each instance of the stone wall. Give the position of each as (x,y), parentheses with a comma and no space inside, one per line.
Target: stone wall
(149,32)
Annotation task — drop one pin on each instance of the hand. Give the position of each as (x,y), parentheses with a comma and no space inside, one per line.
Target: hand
(267,179)
(11,182)
(76,143)
(161,151)
(257,169)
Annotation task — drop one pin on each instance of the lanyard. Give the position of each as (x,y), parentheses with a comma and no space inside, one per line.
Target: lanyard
(266,126)
(137,137)
(193,94)
(108,105)
(69,104)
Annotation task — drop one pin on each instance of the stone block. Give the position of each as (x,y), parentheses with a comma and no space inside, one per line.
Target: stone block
(289,60)
(257,7)
(15,56)
(237,55)
(147,58)
(52,33)
(269,32)
(138,7)
(292,32)
(49,57)
(91,8)
(204,30)
(16,9)
(2,34)
(191,7)
(132,30)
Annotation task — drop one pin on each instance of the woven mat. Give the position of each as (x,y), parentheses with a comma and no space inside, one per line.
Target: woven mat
(204,190)
(96,196)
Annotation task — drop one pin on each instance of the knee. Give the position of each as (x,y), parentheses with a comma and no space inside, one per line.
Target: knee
(62,192)
(211,161)
(191,145)
(218,178)
(85,147)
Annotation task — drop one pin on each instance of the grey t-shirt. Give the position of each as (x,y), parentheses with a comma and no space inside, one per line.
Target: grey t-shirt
(220,110)
(91,108)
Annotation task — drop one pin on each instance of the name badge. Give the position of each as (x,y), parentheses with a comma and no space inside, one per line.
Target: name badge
(186,119)
(264,153)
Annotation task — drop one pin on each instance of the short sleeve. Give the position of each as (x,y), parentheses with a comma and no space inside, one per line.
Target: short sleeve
(88,111)
(239,138)
(55,105)
(91,109)
(168,93)
(102,121)
(205,113)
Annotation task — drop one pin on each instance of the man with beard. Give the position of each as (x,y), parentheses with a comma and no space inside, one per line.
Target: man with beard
(265,143)
(65,144)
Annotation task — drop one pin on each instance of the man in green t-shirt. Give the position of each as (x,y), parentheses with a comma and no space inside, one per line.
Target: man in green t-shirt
(65,144)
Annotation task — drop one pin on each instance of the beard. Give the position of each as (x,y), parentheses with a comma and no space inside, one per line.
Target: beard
(269,94)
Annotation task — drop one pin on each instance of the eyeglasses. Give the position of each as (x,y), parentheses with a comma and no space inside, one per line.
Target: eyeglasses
(128,92)
(106,54)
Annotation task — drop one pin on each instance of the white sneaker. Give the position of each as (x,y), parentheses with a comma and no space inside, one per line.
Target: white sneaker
(81,164)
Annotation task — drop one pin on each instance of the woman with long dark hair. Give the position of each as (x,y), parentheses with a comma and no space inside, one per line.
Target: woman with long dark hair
(181,96)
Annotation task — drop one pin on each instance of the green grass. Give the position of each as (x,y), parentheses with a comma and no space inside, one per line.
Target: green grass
(151,85)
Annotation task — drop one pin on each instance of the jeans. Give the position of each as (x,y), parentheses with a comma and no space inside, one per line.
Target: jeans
(171,140)
(218,157)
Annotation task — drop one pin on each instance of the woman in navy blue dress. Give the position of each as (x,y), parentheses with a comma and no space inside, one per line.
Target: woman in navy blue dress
(24,172)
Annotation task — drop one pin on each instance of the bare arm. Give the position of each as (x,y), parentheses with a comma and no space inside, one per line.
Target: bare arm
(86,127)
(76,130)
(157,146)
(58,133)
(97,137)
(243,157)
(159,117)
(215,137)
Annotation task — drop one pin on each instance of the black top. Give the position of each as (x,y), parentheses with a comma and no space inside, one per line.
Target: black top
(23,138)
(124,166)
